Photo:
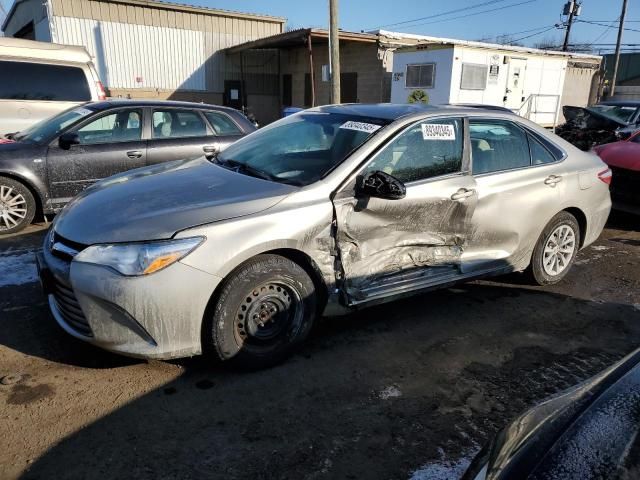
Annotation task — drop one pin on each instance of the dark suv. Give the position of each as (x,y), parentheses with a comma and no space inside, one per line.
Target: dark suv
(45,166)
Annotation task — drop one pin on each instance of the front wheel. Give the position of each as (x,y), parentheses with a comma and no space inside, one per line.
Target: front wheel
(556,250)
(17,206)
(265,308)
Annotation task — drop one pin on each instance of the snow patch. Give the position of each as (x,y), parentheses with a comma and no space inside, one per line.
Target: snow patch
(390,392)
(600,248)
(444,469)
(18,269)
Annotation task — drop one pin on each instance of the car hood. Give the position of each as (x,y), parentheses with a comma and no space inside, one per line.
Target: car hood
(518,450)
(155,202)
(586,118)
(624,155)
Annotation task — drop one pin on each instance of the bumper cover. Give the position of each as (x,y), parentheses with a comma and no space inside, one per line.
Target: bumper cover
(155,316)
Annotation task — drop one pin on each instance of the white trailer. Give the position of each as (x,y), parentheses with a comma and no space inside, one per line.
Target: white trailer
(528,81)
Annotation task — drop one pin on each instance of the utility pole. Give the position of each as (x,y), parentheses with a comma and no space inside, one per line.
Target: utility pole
(334,53)
(617,61)
(572,9)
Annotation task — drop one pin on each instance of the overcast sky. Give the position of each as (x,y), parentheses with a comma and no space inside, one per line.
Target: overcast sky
(529,21)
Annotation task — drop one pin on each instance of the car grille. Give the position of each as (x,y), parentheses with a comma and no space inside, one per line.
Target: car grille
(65,249)
(69,308)
(65,299)
(624,186)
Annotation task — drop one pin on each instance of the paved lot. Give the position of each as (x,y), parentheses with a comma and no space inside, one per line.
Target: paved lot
(409,388)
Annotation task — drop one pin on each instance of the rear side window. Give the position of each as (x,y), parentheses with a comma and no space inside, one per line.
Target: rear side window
(178,124)
(539,153)
(497,146)
(221,124)
(42,82)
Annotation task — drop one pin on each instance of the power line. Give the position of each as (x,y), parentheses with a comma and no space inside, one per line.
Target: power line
(441,14)
(513,33)
(606,30)
(472,14)
(604,25)
(534,34)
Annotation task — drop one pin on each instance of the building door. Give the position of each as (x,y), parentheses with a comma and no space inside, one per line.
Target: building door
(349,87)
(287,92)
(514,94)
(233,94)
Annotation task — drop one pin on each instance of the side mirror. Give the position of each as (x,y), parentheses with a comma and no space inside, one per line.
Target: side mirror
(380,185)
(67,139)
(211,151)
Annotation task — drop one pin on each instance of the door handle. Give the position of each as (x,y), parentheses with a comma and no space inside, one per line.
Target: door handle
(134,154)
(462,194)
(551,180)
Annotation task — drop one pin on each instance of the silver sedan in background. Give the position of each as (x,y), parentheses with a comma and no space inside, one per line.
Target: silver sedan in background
(329,210)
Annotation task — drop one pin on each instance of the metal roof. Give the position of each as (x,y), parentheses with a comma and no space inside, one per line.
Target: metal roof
(181,7)
(407,40)
(296,38)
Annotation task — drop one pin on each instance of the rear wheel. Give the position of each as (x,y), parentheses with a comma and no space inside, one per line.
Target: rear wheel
(265,308)
(17,206)
(556,250)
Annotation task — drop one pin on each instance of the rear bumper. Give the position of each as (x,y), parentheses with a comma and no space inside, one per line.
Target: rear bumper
(155,316)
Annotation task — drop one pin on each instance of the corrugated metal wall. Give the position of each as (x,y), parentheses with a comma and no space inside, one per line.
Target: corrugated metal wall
(139,56)
(164,48)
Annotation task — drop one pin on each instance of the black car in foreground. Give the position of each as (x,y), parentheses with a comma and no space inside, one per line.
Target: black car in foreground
(45,166)
(588,432)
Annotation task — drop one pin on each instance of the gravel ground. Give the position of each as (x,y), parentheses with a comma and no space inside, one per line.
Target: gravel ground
(410,389)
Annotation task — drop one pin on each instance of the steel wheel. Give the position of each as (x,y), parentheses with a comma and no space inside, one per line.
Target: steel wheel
(559,249)
(264,310)
(268,313)
(13,207)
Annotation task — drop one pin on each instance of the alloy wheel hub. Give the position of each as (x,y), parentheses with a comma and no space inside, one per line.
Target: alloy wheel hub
(13,207)
(559,250)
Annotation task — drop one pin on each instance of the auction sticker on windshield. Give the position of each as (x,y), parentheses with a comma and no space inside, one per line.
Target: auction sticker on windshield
(82,111)
(360,126)
(438,131)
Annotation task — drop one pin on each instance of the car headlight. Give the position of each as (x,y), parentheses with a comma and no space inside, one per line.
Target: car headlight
(134,259)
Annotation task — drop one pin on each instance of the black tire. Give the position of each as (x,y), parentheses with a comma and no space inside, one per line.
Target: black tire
(537,271)
(265,309)
(18,208)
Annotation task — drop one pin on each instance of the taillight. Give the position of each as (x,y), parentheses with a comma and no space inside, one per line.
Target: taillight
(102,95)
(605,176)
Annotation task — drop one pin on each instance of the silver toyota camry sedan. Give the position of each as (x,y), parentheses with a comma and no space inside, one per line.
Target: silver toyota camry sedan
(329,210)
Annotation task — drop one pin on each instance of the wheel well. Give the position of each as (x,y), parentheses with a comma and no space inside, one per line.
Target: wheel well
(31,188)
(309,266)
(301,258)
(582,221)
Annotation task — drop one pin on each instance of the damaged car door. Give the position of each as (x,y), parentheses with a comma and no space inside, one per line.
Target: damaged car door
(403,222)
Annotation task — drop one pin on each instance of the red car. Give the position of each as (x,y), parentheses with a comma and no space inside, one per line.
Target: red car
(623,158)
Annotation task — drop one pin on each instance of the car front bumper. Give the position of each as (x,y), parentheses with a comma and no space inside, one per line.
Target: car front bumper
(153,316)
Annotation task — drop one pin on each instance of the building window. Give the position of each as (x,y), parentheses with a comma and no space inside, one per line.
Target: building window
(421,76)
(474,77)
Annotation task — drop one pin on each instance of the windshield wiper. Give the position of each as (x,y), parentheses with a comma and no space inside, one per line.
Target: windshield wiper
(247,169)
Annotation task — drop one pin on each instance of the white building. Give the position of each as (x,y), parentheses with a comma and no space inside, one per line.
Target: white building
(534,83)
(148,48)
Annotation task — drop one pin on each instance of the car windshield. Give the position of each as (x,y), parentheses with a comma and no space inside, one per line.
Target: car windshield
(50,127)
(300,149)
(617,112)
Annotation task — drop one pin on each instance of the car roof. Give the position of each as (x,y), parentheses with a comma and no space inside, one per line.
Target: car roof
(622,103)
(393,111)
(123,102)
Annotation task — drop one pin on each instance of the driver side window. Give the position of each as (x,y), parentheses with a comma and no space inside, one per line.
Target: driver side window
(427,149)
(122,126)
